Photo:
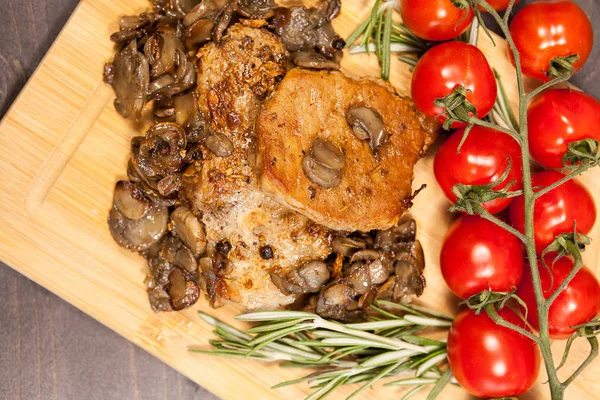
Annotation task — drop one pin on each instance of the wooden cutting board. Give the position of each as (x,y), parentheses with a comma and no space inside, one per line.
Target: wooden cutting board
(63,146)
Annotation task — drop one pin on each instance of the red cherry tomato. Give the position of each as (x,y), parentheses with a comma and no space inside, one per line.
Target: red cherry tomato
(548,29)
(498,5)
(578,303)
(483,159)
(491,361)
(478,255)
(436,20)
(559,117)
(556,211)
(448,66)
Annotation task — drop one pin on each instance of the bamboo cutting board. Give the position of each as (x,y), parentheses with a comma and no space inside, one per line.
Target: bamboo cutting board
(63,146)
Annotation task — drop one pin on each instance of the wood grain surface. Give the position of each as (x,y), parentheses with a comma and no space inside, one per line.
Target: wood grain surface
(49,349)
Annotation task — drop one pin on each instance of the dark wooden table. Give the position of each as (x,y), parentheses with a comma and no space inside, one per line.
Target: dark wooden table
(49,349)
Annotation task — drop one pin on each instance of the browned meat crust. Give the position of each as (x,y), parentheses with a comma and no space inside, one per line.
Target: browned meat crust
(313,104)
(234,76)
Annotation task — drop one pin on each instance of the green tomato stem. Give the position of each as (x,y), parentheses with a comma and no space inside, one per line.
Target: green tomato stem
(544,86)
(593,354)
(493,314)
(556,388)
(485,124)
(574,251)
(567,178)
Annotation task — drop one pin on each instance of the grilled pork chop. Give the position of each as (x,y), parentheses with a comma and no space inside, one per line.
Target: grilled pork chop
(310,105)
(233,77)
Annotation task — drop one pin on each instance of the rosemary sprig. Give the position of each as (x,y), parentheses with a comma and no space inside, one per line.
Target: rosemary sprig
(379,34)
(341,354)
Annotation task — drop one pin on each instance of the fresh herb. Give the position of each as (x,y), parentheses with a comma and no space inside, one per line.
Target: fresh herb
(387,346)
(381,35)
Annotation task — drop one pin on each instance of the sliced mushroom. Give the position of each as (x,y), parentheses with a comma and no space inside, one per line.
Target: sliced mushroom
(159,299)
(186,227)
(170,184)
(347,245)
(161,51)
(185,6)
(333,301)
(160,153)
(367,124)
(138,234)
(326,154)
(220,145)
(130,201)
(367,269)
(403,233)
(168,85)
(185,106)
(188,115)
(132,173)
(164,113)
(206,9)
(409,280)
(329,43)
(160,83)
(367,255)
(312,60)
(199,33)
(136,27)
(132,22)
(308,278)
(319,174)
(223,22)
(330,8)
(130,74)
(302,29)
(182,290)
(210,279)
(256,9)
(174,251)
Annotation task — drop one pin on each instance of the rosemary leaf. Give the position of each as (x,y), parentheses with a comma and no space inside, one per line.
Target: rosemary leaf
(440,385)
(430,363)
(426,321)
(319,394)
(370,326)
(380,375)
(273,327)
(412,392)
(412,381)
(271,316)
(387,358)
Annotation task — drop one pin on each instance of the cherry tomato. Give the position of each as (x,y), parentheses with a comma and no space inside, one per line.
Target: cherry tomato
(578,303)
(436,20)
(548,29)
(498,5)
(559,117)
(448,66)
(556,211)
(483,159)
(491,361)
(478,255)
